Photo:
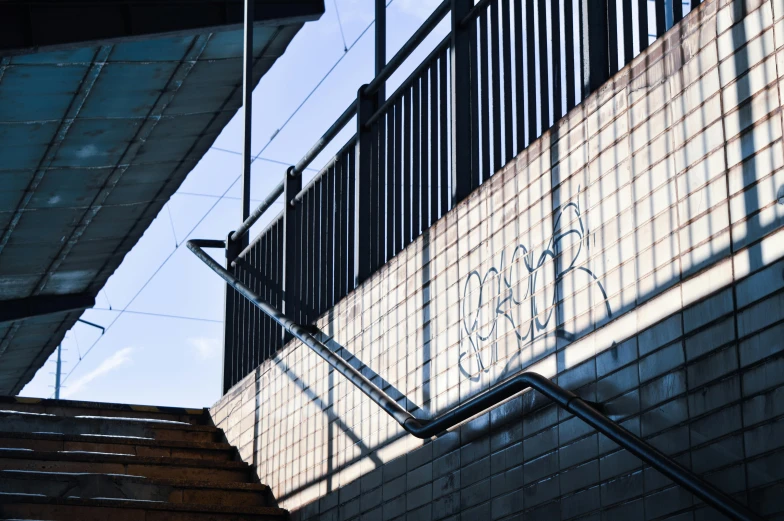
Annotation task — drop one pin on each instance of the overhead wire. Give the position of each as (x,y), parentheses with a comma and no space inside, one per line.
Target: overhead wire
(171,221)
(318,85)
(221,197)
(163,315)
(340,24)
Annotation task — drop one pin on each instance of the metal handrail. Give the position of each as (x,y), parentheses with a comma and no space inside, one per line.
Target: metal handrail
(425,429)
(268,201)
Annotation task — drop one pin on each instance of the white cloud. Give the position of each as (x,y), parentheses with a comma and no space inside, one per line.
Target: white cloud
(118,359)
(206,347)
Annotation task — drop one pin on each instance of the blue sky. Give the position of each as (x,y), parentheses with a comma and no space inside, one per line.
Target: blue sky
(158,360)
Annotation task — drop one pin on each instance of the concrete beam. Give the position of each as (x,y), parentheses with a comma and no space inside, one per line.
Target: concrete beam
(28,26)
(20,309)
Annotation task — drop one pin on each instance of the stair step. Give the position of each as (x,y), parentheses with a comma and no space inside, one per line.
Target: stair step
(90,486)
(14,421)
(69,408)
(21,506)
(91,462)
(52,442)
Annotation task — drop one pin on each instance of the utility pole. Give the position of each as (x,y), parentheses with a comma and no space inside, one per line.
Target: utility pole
(57,374)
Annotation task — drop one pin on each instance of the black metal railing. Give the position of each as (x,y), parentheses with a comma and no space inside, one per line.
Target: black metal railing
(505,73)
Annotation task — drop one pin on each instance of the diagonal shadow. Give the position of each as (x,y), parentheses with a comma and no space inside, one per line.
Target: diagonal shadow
(327,409)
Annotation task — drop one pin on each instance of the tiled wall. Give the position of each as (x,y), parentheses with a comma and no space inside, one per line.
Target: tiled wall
(635,253)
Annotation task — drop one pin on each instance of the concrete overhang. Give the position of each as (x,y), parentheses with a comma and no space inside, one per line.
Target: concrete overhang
(105,107)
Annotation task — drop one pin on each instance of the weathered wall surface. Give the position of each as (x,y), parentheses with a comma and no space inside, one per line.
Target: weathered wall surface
(634,254)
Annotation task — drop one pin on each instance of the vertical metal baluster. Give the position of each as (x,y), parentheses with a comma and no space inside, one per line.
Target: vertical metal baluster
(279,272)
(314,255)
(330,267)
(569,53)
(292,185)
(555,26)
(381,195)
(263,319)
(416,119)
(296,266)
(269,260)
(262,267)
(642,21)
(424,163)
(398,177)
(495,80)
(519,84)
(339,223)
(476,142)
(530,49)
(307,289)
(433,141)
(544,84)
(278,329)
(271,283)
(254,318)
(612,35)
(230,315)
(677,11)
(596,54)
(462,108)
(506,48)
(318,254)
(484,90)
(390,182)
(325,239)
(243,332)
(352,221)
(628,32)
(661,20)
(373,196)
(301,253)
(443,135)
(406,212)
(367,180)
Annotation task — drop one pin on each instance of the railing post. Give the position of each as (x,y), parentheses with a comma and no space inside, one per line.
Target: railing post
(364,242)
(233,249)
(247,103)
(291,187)
(596,47)
(464,178)
(381,44)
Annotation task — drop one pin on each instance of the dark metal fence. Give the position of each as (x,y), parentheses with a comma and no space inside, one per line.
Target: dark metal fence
(505,73)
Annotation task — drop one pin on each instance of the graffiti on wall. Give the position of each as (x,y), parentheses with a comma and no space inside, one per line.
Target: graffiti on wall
(522,295)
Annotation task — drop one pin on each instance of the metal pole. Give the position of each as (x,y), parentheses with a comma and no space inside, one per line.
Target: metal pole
(247,93)
(58,372)
(291,262)
(381,45)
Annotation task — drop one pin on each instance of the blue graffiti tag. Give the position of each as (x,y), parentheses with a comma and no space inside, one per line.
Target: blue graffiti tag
(499,284)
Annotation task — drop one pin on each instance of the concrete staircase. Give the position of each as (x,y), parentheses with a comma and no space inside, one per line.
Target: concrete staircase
(64,460)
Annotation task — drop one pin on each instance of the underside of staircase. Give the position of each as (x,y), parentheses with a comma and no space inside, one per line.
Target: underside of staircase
(64,460)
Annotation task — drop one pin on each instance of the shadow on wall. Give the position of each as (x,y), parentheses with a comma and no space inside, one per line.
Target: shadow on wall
(527,295)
